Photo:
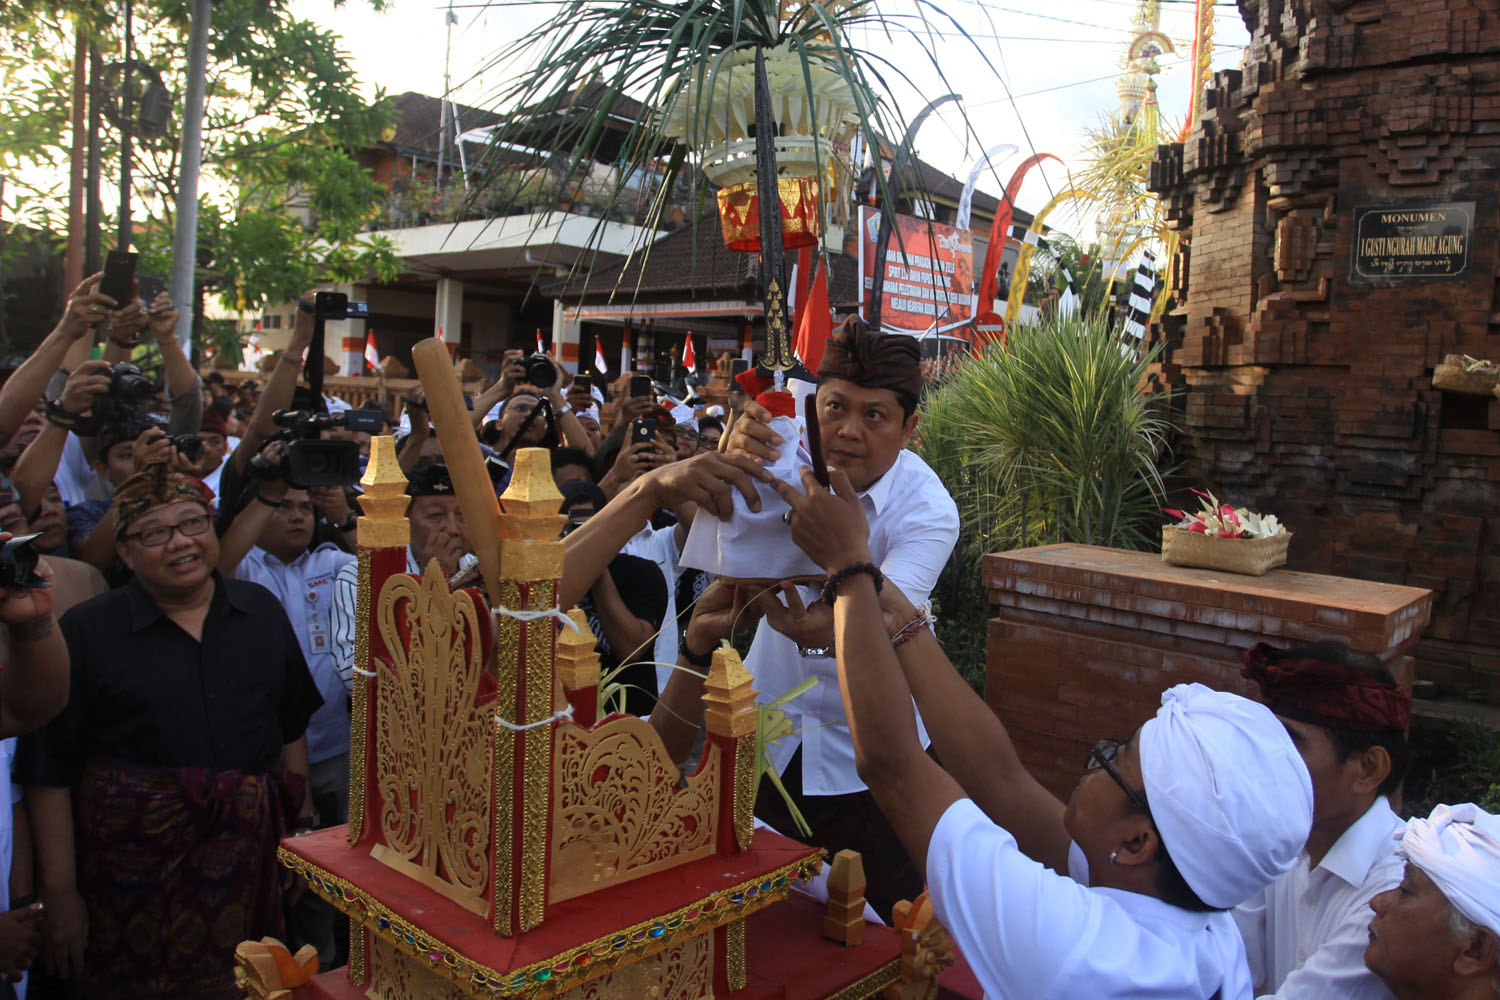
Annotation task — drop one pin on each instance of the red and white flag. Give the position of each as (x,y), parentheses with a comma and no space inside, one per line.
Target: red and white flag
(372,356)
(688,361)
(541,348)
(600,365)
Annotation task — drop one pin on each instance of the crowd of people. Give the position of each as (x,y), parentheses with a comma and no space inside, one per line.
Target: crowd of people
(178,661)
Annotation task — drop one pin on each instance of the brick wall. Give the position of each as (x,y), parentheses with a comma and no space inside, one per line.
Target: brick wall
(1311,396)
(1085,639)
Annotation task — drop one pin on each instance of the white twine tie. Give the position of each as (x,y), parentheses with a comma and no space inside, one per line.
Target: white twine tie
(566,715)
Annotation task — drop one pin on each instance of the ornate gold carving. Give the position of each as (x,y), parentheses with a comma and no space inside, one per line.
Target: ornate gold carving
(844,921)
(743,806)
(926,950)
(577,654)
(684,971)
(618,810)
(432,748)
(267,970)
(563,970)
(728,698)
(507,678)
(538,763)
(359,708)
(393,976)
(529,548)
(870,985)
(359,953)
(734,955)
(384,524)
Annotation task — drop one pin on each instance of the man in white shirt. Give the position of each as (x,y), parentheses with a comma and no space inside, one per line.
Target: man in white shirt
(866,406)
(1437,936)
(1193,813)
(301,576)
(1305,934)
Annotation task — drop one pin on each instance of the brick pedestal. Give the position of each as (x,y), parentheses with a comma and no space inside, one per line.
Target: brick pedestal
(1085,639)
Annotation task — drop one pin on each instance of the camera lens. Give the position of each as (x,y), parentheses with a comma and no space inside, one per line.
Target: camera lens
(539,371)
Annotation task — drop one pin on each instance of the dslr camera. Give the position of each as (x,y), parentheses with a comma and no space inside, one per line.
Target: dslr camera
(308,460)
(128,391)
(18,559)
(334,306)
(539,371)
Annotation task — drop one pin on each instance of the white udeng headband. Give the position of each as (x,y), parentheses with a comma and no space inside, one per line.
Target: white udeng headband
(1459,849)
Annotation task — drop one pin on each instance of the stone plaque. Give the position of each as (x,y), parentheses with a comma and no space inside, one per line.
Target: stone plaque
(1411,242)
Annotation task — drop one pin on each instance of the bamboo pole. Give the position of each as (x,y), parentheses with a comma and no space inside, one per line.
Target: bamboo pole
(471,481)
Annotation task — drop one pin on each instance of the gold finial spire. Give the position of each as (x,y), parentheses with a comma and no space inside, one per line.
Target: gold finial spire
(577,654)
(529,547)
(728,698)
(384,523)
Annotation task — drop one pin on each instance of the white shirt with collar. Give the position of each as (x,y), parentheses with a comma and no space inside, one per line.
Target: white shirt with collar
(913,528)
(305,589)
(660,547)
(1032,934)
(1305,934)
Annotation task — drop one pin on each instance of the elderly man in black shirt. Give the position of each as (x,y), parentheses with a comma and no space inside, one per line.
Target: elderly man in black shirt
(181,755)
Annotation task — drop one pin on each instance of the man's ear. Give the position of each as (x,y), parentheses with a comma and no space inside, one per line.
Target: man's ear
(1142,846)
(910,427)
(1480,956)
(1371,767)
(123,551)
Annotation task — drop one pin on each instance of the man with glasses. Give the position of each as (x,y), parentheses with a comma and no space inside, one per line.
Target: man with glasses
(159,794)
(1120,892)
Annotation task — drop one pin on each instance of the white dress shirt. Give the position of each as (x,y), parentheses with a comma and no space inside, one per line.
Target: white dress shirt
(305,589)
(1032,934)
(913,527)
(1305,934)
(660,547)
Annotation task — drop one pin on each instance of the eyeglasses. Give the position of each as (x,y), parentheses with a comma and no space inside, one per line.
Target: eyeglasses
(1103,755)
(161,533)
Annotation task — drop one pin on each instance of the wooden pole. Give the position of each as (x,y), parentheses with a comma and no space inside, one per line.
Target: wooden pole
(471,481)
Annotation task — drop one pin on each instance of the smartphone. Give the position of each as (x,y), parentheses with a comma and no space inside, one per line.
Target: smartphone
(738,367)
(642,429)
(148,287)
(119,276)
(640,385)
(584,382)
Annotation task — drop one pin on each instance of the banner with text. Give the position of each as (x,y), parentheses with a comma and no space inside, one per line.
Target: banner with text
(929,274)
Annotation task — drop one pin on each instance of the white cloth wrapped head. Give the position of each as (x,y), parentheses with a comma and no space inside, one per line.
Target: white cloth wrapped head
(1228,791)
(683,414)
(1458,847)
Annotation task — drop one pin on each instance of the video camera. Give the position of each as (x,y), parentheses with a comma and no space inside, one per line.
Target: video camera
(310,461)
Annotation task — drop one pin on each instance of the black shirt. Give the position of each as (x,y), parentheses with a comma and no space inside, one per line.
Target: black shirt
(145,691)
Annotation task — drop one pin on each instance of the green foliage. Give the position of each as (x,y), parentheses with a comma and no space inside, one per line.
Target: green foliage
(282,204)
(1453,761)
(1047,438)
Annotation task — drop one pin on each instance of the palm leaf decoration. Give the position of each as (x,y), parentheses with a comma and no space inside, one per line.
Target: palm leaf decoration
(653,88)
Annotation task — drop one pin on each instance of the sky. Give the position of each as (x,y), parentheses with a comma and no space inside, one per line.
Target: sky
(1058,60)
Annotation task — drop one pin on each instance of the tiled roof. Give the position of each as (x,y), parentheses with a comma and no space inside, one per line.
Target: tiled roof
(419,119)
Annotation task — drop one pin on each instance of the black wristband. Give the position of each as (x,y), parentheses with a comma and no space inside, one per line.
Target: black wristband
(273,504)
(836,580)
(695,660)
(348,523)
(67,420)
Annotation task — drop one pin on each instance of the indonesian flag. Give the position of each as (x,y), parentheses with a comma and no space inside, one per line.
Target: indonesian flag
(372,357)
(814,322)
(688,361)
(600,365)
(541,348)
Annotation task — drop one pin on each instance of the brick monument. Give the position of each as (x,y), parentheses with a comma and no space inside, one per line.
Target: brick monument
(1338,202)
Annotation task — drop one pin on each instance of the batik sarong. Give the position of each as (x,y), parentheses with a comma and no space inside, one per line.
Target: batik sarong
(176,867)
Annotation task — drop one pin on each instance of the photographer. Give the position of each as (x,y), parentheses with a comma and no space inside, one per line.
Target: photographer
(73,582)
(85,310)
(288,561)
(34,681)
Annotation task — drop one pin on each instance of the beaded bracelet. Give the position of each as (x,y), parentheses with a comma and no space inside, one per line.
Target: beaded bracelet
(910,630)
(836,580)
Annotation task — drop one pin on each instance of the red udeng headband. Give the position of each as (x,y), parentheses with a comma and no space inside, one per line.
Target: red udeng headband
(781,404)
(1326,694)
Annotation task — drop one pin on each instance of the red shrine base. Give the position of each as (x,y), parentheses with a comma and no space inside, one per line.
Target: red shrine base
(787,958)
